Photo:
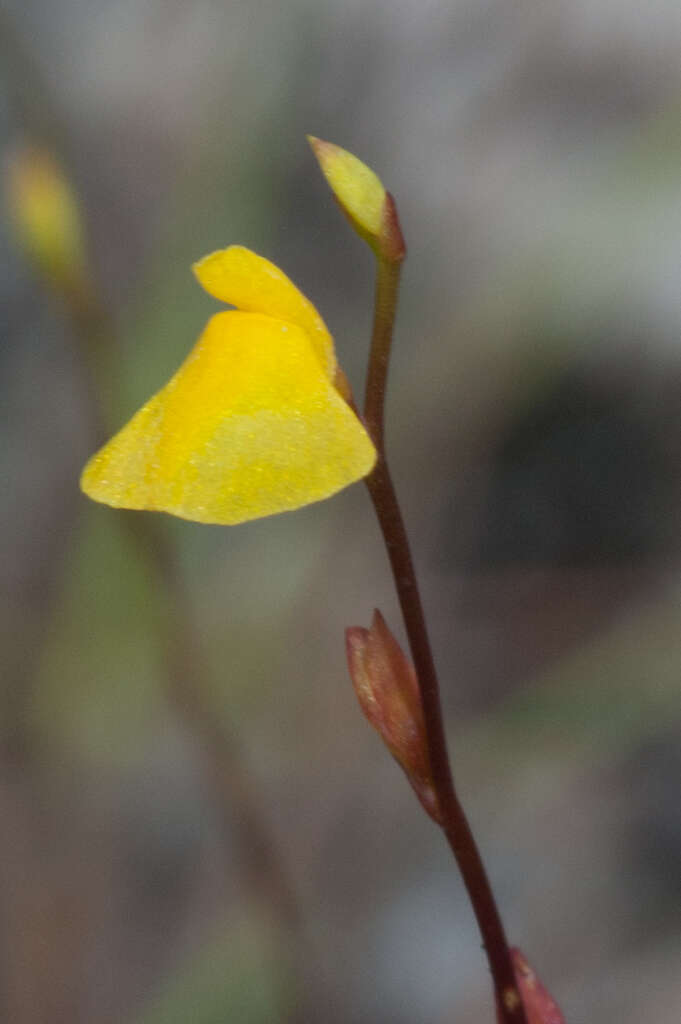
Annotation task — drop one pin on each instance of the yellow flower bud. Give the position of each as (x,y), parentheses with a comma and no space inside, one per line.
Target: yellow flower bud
(46,216)
(362,197)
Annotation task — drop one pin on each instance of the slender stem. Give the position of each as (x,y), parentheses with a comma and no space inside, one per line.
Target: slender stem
(455,824)
(385,308)
(188,685)
(187,678)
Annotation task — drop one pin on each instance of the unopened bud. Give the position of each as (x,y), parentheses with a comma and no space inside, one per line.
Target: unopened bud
(363,198)
(46,216)
(540,1008)
(386,686)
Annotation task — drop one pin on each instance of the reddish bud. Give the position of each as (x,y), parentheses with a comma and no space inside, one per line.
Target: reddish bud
(540,1008)
(386,686)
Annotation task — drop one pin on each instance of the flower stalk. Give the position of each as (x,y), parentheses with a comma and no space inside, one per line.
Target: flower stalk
(385,309)
(384,498)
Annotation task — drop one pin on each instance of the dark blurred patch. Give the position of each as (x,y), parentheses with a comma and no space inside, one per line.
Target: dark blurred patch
(571,517)
(652,834)
(580,478)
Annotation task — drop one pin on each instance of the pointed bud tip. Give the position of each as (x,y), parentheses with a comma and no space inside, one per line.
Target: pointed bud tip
(358,190)
(377,620)
(318,145)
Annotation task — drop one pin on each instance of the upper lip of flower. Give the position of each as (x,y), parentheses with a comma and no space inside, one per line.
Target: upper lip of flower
(240,277)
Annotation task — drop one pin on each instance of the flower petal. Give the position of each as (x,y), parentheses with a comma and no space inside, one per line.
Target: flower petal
(248,426)
(253,284)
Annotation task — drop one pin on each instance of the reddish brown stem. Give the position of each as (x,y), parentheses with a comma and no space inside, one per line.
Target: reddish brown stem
(386,505)
(385,308)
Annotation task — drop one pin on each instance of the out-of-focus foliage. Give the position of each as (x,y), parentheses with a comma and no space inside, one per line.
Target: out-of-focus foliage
(232,979)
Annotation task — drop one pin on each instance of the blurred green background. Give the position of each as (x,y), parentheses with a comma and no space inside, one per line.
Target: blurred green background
(535,435)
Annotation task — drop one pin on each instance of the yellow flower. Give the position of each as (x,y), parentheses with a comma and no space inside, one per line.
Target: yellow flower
(251,424)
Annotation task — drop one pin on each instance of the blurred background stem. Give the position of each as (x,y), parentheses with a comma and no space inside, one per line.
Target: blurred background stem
(187,684)
(186,675)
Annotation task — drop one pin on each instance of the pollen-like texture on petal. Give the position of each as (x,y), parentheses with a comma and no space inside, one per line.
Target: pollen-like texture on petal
(253,284)
(250,425)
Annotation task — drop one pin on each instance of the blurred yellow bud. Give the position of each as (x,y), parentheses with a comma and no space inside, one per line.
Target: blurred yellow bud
(387,689)
(362,197)
(46,216)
